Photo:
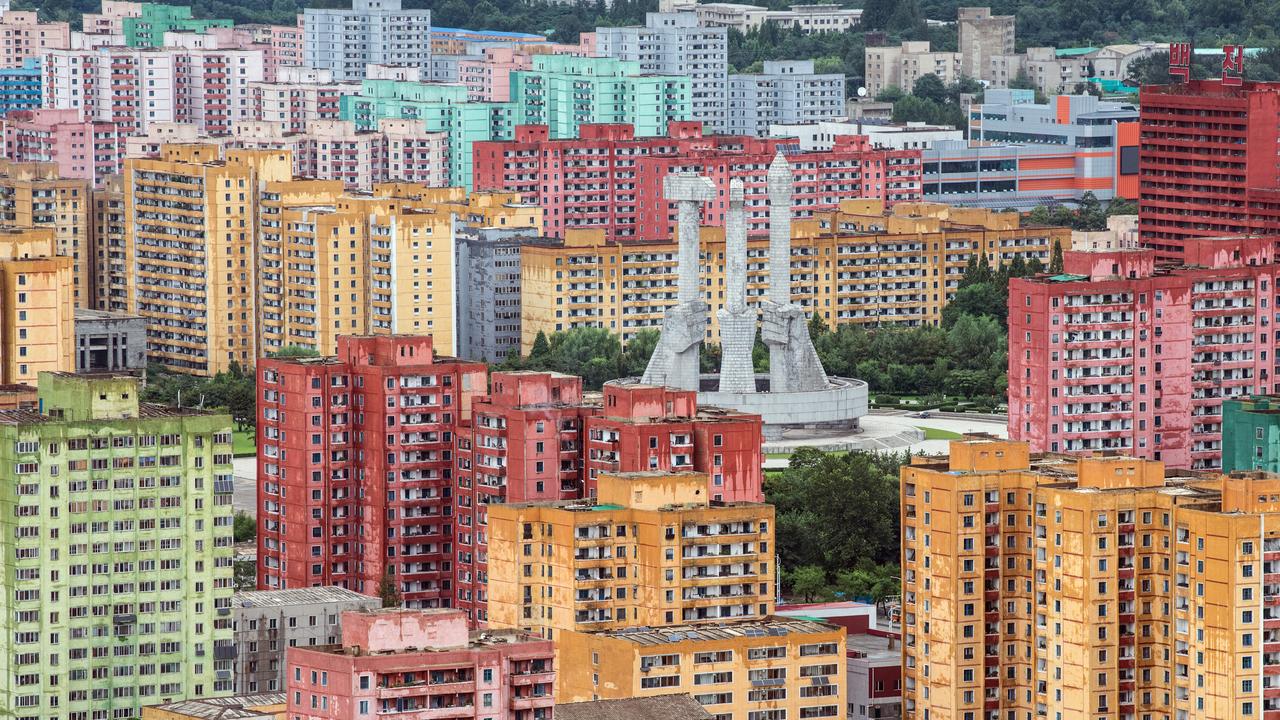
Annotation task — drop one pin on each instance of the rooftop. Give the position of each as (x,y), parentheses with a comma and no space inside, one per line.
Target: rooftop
(659,707)
(875,649)
(771,627)
(235,707)
(297,596)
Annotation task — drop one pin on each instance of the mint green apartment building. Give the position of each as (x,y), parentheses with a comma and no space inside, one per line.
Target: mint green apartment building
(148,29)
(560,91)
(117,534)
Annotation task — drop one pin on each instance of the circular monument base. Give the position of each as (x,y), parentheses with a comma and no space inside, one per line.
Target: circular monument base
(836,407)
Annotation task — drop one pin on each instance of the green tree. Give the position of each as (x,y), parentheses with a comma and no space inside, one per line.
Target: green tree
(389,589)
(294,351)
(1055,260)
(930,87)
(984,299)
(808,582)
(541,350)
(868,580)
(635,356)
(244,527)
(244,575)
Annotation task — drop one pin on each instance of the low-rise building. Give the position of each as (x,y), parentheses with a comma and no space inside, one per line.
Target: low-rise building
(903,136)
(555,567)
(901,66)
(737,670)
(269,622)
(110,341)
(658,707)
(423,663)
(269,706)
(816,18)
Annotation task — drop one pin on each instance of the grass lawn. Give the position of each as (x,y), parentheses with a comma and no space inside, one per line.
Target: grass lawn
(936,434)
(243,443)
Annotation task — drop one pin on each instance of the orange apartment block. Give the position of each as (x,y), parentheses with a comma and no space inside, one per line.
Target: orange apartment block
(1087,587)
(37,315)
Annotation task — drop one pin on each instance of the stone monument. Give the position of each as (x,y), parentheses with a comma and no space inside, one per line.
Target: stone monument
(737,319)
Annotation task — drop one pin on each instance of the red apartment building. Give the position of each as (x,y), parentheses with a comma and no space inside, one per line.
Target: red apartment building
(386,456)
(1119,353)
(535,438)
(608,178)
(421,664)
(1207,162)
(355,466)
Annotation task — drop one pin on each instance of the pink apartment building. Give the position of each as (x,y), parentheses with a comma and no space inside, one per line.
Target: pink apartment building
(138,87)
(298,96)
(111,20)
(24,36)
(1119,353)
(281,45)
(423,663)
(89,150)
(488,78)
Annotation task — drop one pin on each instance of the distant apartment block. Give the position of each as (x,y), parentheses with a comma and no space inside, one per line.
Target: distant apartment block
(147,28)
(139,87)
(809,19)
(1251,434)
(982,35)
(371,32)
(85,149)
(675,44)
(297,97)
(488,303)
(25,37)
(785,91)
(902,66)
(1121,354)
(269,622)
(36,195)
(37,328)
(611,180)
(21,88)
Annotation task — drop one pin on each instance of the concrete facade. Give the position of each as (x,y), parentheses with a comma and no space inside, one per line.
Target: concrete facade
(785,91)
(110,342)
(269,622)
(372,31)
(674,44)
(488,299)
(84,149)
(982,35)
(21,87)
(26,37)
(901,66)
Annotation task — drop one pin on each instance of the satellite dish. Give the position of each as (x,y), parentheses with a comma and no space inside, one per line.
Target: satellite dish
(862,92)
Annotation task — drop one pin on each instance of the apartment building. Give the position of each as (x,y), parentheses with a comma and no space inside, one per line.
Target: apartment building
(785,91)
(113,278)
(488,305)
(298,96)
(20,87)
(191,209)
(901,66)
(1119,353)
(676,44)
(535,438)
(422,663)
(37,323)
(982,35)
(135,88)
(153,624)
(1100,586)
(147,28)
(815,18)
(738,670)
(269,622)
(25,37)
(611,179)
(858,264)
(563,92)
(1251,434)
(561,566)
(371,32)
(86,150)
(37,195)
(345,503)
(110,21)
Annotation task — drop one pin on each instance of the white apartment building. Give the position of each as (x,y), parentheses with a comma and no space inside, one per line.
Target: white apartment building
(372,31)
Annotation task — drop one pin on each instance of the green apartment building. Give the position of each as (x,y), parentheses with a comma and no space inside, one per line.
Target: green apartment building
(1251,433)
(563,92)
(148,29)
(444,108)
(560,91)
(117,552)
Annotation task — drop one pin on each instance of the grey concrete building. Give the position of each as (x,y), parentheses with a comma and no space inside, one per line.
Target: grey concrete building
(266,622)
(983,36)
(785,92)
(372,31)
(110,341)
(487,263)
(674,44)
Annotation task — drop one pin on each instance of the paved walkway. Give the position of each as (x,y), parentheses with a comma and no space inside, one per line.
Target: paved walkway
(902,432)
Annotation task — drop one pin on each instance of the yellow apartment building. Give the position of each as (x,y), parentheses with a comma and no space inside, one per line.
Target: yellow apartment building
(33,194)
(111,253)
(860,265)
(190,221)
(739,670)
(650,550)
(382,262)
(37,313)
(1104,587)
